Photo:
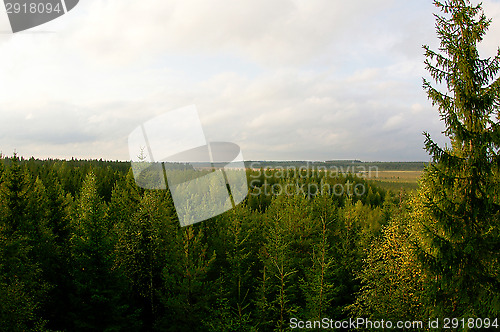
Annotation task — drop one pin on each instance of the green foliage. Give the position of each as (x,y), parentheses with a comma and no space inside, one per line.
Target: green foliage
(144,231)
(392,278)
(72,259)
(82,248)
(187,293)
(459,240)
(320,283)
(236,241)
(284,250)
(22,289)
(96,298)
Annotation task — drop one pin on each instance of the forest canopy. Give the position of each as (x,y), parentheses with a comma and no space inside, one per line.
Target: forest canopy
(83,248)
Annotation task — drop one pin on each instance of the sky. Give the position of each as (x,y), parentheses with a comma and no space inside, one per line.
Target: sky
(283,79)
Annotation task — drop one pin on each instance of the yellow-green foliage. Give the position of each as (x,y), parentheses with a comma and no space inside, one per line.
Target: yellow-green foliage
(392,276)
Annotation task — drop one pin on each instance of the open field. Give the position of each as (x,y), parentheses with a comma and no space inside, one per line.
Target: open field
(396,180)
(398,176)
(387,175)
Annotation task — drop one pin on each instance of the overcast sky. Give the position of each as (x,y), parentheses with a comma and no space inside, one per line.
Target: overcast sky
(284,79)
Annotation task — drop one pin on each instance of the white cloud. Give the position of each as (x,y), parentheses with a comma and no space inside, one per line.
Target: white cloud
(271,32)
(285,79)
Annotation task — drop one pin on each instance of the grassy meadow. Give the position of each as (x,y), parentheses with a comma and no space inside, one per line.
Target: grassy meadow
(397,180)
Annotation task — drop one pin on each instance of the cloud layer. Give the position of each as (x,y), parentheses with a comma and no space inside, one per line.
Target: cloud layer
(285,79)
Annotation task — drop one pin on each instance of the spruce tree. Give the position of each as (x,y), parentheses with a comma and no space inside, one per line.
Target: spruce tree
(460,246)
(391,278)
(319,280)
(2,167)
(22,288)
(233,239)
(143,240)
(187,292)
(289,237)
(97,302)
(56,265)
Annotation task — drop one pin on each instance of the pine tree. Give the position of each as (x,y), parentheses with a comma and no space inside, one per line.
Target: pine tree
(125,200)
(285,255)
(22,288)
(461,246)
(391,278)
(187,294)
(96,301)
(57,265)
(318,284)
(234,240)
(144,230)
(2,168)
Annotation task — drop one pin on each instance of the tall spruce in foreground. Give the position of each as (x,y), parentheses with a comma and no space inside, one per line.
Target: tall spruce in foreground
(460,246)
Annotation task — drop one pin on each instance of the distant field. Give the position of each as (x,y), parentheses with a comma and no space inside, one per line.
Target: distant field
(398,176)
(396,180)
(393,176)
(342,165)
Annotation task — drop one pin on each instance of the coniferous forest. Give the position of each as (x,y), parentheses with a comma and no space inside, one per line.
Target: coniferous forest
(83,248)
